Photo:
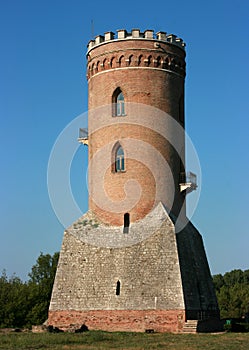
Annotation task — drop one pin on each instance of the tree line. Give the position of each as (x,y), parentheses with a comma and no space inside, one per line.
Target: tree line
(232,290)
(23,304)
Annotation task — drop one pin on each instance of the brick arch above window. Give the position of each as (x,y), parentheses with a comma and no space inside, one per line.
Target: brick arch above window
(97,66)
(113,62)
(121,61)
(131,60)
(148,61)
(157,61)
(140,61)
(136,59)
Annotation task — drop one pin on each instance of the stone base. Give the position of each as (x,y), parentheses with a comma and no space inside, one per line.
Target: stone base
(120,320)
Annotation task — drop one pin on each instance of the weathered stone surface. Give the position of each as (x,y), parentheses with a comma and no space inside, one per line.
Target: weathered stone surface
(163,274)
(149,271)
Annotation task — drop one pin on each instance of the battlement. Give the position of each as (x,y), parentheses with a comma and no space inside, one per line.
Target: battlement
(148,34)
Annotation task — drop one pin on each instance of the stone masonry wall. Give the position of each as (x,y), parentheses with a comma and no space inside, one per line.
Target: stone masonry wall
(199,294)
(148,272)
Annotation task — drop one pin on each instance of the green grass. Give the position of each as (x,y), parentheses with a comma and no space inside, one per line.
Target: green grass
(133,341)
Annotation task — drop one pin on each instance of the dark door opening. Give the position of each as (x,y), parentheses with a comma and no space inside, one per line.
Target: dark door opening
(126,222)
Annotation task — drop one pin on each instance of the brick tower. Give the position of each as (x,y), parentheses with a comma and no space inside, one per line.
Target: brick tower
(133,261)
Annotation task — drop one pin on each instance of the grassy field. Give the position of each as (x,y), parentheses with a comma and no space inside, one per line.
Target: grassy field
(133,341)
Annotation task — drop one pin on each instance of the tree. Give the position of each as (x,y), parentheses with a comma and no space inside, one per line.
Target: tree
(44,269)
(26,303)
(232,292)
(13,301)
(218,281)
(40,284)
(232,277)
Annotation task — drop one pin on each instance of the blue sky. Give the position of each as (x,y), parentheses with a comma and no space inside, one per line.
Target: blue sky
(43,87)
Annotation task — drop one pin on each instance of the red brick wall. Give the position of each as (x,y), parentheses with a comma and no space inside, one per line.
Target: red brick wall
(158,88)
(120,320)
(114,183)
(159,84)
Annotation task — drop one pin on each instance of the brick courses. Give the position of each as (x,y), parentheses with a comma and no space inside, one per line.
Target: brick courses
(155,84)
(122,320)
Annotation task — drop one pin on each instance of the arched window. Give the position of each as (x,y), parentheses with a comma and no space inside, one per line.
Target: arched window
(119,160)
(118,103)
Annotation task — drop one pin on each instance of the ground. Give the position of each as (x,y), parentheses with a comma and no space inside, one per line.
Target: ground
(126,341)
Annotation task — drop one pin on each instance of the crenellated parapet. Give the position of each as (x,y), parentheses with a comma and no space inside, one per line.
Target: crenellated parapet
(149,34)
(136,50)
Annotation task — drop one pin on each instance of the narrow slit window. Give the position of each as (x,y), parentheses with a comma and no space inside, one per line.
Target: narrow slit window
(118,288)
(126,222)
(119,160)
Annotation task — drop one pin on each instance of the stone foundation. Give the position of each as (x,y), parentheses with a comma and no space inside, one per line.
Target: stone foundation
(148,279)
(120,320)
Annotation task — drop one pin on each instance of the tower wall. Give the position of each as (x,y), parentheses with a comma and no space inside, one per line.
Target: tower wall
(149,72)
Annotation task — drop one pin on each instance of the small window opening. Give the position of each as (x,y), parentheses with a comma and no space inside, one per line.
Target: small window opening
(118,288)
(119,160)
(118,103)
(120,107)
(126,222)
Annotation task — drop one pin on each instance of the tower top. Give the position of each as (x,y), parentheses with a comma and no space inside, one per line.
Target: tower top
(148,34)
